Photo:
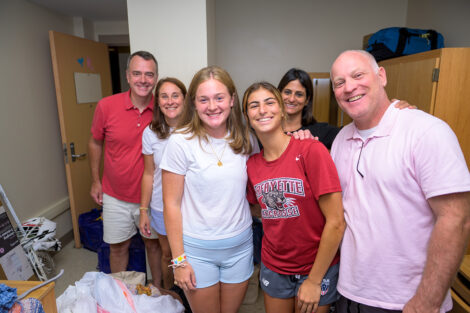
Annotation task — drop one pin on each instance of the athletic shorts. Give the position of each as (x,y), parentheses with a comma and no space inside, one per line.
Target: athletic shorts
(120,220)
(157,222)
(286,286)
(227,260)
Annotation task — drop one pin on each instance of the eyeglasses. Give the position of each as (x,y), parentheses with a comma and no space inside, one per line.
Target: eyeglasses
(358,159)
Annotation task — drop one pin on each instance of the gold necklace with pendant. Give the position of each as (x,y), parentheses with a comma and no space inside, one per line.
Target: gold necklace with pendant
(219,160)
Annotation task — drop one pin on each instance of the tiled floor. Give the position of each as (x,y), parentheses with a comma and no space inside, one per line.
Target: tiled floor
(76,262)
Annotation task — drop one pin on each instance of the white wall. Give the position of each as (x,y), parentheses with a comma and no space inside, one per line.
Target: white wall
(31,163)
(451,18)
(83,28)
(174,31)
(110,28)
(262,39)
(211,27)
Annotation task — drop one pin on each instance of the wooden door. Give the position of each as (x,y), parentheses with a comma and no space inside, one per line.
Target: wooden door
(72,59)
(453,93)
(321,96)
(412,80)
(321,99)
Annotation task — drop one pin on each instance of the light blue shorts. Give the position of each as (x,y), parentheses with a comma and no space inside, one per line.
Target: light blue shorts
(157,222)
(228,260)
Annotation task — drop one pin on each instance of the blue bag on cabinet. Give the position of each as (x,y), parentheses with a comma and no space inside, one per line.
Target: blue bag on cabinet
(398,41)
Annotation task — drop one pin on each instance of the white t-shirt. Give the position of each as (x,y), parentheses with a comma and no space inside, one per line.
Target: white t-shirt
(151,144)
(214,204)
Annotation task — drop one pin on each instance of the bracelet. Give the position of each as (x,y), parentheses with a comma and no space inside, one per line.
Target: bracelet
(177,265)
(143,208)
(178,261)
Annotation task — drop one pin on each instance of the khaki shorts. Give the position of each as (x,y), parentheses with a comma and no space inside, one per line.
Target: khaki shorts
(120,220)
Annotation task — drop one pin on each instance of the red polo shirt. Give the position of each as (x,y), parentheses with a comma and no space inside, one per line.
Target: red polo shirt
(120,125)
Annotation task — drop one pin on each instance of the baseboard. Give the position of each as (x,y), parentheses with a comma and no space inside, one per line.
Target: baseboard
(55,209)
(65,239)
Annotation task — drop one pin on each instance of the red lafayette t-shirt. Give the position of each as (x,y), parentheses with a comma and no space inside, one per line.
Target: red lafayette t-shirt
(120,125)
(288,190)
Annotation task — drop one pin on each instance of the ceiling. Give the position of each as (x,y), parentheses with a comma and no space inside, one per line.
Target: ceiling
(94,10)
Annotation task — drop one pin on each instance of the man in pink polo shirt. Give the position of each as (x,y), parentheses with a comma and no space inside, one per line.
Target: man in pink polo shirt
(117,127)
(406,198)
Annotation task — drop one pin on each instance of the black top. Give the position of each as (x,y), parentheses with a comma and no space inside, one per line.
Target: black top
(325,132)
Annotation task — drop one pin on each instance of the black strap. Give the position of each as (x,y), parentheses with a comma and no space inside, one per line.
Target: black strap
(405,34)
(433,38)
(402,38)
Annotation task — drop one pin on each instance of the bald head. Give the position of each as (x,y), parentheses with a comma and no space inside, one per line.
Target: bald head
(359,87)
(369,57)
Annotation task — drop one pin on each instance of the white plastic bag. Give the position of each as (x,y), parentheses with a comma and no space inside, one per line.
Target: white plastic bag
(113,297)
(161,304)
(76,300)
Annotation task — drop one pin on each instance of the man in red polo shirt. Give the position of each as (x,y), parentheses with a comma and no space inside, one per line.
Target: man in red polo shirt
(119,121)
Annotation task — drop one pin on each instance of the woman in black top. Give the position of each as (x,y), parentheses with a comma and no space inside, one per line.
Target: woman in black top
(297,92)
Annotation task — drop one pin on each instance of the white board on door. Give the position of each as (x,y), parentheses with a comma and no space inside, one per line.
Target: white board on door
(88,87)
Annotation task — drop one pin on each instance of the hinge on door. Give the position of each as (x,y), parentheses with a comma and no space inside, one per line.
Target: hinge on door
(65,154)
(435,75)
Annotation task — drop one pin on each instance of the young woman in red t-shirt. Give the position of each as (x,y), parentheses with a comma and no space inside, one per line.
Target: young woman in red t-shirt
(296,185)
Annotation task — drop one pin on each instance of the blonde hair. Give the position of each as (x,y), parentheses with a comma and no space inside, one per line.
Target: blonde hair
(190,122)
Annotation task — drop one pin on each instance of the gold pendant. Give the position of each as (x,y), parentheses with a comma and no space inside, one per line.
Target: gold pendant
(219,163)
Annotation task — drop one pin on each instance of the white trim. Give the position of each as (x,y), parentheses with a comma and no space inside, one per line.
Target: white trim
(55,209)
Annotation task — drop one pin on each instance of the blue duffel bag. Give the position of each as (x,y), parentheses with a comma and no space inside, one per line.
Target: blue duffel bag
(398,41)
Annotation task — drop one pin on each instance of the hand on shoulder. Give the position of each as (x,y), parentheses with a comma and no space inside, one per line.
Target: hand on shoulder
(302,134)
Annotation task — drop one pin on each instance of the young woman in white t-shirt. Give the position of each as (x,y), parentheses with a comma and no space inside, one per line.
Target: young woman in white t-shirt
(207,216)
(169,100)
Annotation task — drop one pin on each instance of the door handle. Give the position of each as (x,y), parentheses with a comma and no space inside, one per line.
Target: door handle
(73,155)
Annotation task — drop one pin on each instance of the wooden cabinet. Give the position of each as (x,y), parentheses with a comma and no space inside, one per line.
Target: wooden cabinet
(324,103)
(437,82)
(460,288)
(45,294)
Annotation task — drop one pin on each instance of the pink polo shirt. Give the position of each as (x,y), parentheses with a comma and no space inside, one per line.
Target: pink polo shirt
(411,156)
(120,125)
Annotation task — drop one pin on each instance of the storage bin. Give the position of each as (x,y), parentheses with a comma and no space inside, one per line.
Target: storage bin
(136,256)
(90,225)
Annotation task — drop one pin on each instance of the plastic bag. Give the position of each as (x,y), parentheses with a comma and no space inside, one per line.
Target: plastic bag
(76,299)
(99,292)
(113,295)
(161,304)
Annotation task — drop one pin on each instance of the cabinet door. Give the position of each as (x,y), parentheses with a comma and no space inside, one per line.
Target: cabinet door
(413,82)
(452,104)
(321,99)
